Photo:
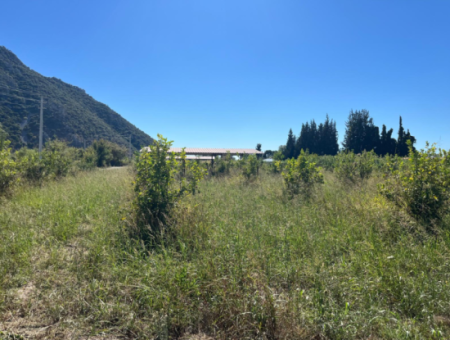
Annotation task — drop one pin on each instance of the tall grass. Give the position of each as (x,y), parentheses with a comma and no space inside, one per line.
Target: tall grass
(243,262)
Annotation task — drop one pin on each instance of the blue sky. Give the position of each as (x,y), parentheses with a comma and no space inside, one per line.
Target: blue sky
(236,73)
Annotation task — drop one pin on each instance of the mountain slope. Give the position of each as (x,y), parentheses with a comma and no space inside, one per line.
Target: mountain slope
(69,112)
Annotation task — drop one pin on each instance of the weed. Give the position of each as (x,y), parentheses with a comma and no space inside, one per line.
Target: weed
(421,184)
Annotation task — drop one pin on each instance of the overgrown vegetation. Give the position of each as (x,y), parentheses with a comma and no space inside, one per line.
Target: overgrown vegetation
(157,189)
(353,168)
(421,184)
(8,168)
(239,260)
(301,175)
(57,160)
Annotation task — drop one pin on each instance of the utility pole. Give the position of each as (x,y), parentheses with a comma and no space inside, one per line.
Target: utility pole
(41,126)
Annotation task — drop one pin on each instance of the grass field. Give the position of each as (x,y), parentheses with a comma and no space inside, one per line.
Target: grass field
(244,262)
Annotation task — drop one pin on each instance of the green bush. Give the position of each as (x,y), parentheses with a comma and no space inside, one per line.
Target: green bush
(224,164)
(103,152)
(119,155)
(55,162)
(350,167)
(8,169)
(250,167)
(86,159)
(301,175)
(275,167)
(57,158)
(195,174)
(326,162)
(156,187)
(420,184)
(32,168)
(109,154)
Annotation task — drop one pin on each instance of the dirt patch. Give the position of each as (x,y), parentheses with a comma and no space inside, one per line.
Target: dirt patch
(442,320)
(26,291)
(199,336)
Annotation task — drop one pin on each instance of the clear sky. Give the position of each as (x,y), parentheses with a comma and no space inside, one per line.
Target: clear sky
(236,73)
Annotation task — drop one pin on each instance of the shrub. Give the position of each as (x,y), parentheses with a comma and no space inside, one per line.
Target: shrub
(351,167)
(109,154)
(276,167)
(224,164)
(156,189)
(32,168)
(195,174)
(57,158)
(103,152)
(55,162)
(87,159)
(300,176)
(250,167)
(119,155)
(8,169)
(420,184)
(326,162)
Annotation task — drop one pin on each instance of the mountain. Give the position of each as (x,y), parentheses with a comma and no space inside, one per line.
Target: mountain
(69,112)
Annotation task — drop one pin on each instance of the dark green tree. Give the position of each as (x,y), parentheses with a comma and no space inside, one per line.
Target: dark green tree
(268,154)
(289,151)
(361,133)
(387,143)
(402,140)
(313,137)
(258,147)
(322,140)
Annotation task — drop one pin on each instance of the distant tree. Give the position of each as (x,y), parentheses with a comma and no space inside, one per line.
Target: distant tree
(328,138)
(322,140)
(258,147)
(289,151)
(387,144)
(313,137)
(402,146)
(268,154)
(302,140)
(361,133)
(278,155)
(103,152)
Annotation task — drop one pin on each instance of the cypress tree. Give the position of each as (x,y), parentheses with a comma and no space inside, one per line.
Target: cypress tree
(322,140)
(289,151)
(402,147)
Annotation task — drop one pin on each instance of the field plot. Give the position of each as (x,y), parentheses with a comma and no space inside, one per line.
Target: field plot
(243,261)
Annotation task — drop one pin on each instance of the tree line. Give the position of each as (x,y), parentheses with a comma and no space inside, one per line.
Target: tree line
(360,134)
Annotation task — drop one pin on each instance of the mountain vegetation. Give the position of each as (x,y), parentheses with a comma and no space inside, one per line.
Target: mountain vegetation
(70,114)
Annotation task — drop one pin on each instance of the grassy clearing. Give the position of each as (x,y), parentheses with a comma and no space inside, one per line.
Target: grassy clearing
(245,263)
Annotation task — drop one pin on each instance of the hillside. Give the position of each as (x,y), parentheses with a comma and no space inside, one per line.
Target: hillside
(69,112)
